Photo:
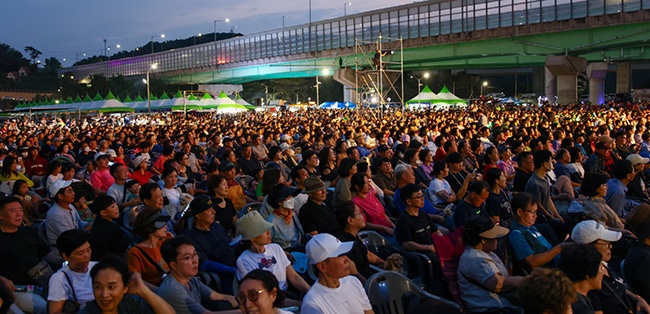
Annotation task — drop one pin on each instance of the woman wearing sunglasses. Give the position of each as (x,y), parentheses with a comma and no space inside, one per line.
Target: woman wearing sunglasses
(259,293)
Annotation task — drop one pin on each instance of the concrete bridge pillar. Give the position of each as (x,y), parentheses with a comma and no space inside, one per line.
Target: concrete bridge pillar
(350,94)
(623,77)
(566,69)
(550,85)
(596,73)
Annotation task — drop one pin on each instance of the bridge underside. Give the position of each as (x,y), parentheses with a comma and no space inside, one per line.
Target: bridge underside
(620,43)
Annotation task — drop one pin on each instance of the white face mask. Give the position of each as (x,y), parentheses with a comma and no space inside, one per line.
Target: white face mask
(19,168)
(289,203)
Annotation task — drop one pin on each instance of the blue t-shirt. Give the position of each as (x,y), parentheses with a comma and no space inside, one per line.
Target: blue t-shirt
(522,249)
(185,300)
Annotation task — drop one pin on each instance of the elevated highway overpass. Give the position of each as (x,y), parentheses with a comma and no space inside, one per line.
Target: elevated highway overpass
(564,35)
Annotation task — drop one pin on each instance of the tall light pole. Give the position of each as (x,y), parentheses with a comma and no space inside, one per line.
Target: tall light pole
(317,91)
(105,51)
(199,35)
(152,67)
(419,78)
(215,27)
(266,94)
(484,85)
(283,17)
(152,37)
(309,49)
(345,8)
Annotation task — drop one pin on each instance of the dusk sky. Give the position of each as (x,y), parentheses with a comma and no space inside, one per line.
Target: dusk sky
(65,28)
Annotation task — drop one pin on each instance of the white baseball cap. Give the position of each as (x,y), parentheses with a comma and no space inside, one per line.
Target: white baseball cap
(636,159)
(58,185)
(588,231)
(324,246)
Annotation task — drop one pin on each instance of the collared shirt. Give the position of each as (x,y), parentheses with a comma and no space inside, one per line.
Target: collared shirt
(61,219)
(522,249)
(615,196)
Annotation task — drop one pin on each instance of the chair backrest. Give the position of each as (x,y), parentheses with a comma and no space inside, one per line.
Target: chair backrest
(42,232)
(392,293)
(449,249)
(250,207)
(301,263)
(377,244)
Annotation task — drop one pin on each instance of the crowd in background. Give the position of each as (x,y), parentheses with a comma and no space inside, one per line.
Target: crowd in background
(159,198)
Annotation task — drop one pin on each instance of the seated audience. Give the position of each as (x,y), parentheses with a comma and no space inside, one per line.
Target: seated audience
(145,258)
(546,291)
(347,168)
(483,279)
(414,227)
(613,297)
(638,257)
(581,263)
(440,192)
(335,291)
(62,216)
(286,230)
(106,236)
(473,205)
(372,209)
(531,248)
(181,288)
(260,253)
(117,292)
(259,292)
(594,188)
(316,216)
(72,282)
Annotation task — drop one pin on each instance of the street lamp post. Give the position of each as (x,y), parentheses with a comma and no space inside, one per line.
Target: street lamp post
(484,85)
(152,37)
(266,95)
(424,76)
(317,91)
(345,8)
(283,17)
(215,27)
(199,35)
(152,67)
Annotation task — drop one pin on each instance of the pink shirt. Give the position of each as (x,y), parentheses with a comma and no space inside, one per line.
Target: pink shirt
(101,179)
(372,209)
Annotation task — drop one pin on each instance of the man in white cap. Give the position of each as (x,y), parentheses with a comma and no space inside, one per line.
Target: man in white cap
(62,216)
(613,296)
(335,291)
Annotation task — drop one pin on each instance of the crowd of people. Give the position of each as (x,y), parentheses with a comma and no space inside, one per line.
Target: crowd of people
(121,213)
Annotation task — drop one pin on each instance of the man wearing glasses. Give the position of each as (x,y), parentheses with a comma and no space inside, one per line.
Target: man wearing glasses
(414,227)
(181,289)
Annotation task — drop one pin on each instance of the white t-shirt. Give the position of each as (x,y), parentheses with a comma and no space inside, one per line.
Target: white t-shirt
(273,259)
(436,186)
(349,298)
(60,290)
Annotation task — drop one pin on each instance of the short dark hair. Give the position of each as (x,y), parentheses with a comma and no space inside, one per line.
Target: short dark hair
(477,187)
(147,189)
(546,291)
(522,200)
(114,262)
(169,248)
(540,157)
(621,168)
(269,281)
(344,211)
(407,191)
(70,240)
(113,168)
(141,226)
(523,155)
(362,166)
(4,200)
(422,155)
(101,202)
(579,261)
(592,181)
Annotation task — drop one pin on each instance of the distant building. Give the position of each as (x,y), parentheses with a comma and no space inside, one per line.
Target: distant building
(13,75)
(23,71)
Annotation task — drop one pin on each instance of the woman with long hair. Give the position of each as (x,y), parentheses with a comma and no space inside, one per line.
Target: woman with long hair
(341,151)
(10,172)
(327,166)
(225,214)
(347,169)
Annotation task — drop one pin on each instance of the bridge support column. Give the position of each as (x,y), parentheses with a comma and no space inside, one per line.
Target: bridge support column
(349,94)
(623,77)
(596,73)
(550,85)
(566,69)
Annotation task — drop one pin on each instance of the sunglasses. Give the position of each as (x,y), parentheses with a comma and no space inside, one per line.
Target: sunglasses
(251,295)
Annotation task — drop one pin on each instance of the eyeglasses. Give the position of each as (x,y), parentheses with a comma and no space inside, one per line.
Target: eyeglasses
(417,197)
(190,257)
(251,295)
(534,212)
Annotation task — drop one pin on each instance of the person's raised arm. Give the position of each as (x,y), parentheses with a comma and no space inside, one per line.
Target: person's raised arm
(158,304)
(540,259)
(296,280)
